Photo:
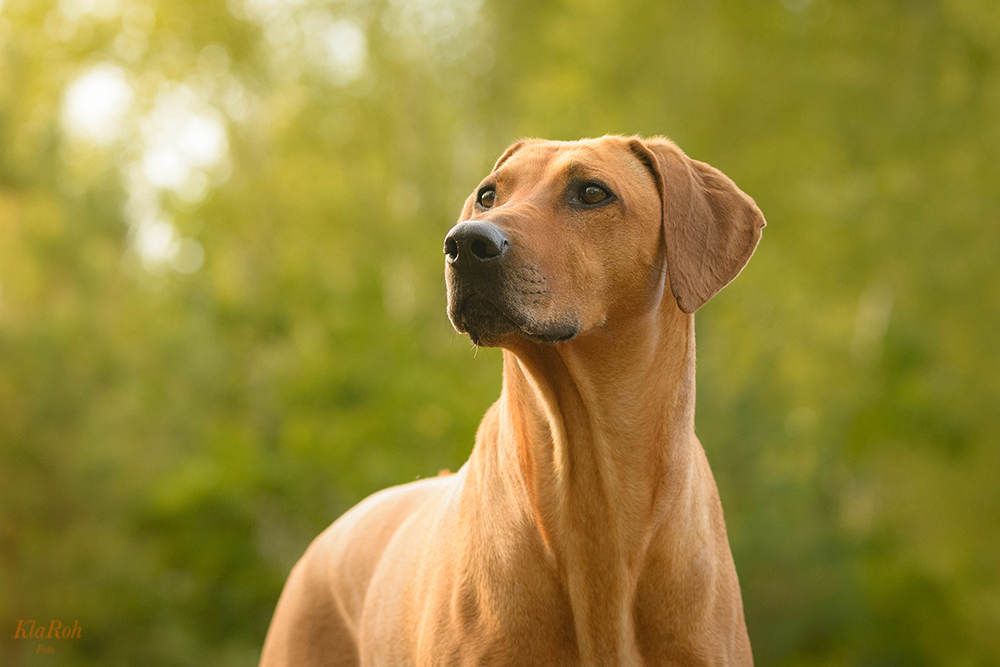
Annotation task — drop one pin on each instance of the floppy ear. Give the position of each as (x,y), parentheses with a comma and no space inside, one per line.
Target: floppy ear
(710,226)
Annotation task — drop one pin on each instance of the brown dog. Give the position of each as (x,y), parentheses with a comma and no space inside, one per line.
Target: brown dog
(585,528)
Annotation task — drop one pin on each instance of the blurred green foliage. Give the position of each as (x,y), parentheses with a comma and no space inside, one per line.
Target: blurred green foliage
(206,357)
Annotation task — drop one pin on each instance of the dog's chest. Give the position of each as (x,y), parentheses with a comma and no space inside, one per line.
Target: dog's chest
(494,602)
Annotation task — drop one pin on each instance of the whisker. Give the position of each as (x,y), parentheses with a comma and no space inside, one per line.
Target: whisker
(610,337)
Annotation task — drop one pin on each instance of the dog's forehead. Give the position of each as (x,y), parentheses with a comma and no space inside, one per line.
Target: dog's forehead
(542,165)
(543,159)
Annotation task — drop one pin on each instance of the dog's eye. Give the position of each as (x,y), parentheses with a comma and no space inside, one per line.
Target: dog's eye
(593,194)
(487,198)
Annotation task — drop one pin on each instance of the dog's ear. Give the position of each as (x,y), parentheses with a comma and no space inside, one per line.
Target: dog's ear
(514,147)
(710,226)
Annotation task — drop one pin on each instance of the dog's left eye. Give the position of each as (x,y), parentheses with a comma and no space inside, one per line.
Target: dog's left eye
(593,194)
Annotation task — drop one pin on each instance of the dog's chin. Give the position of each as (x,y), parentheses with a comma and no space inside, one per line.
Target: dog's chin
(485,323)
(491,326)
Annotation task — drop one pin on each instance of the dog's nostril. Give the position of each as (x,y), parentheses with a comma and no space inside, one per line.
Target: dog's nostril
(483,249)
(451,248)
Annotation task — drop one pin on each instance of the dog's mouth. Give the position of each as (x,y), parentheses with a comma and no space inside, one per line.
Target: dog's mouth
(487,324)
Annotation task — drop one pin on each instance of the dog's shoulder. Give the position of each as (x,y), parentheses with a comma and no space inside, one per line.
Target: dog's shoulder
(320,607)
(346,554)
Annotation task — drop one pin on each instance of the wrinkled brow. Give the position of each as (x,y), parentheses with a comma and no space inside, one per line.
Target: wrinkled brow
(576,170)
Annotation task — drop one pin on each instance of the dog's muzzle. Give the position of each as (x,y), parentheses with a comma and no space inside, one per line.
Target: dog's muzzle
(477,281)
(475,242)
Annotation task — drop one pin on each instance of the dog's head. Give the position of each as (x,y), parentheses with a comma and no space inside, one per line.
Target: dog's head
(564,237)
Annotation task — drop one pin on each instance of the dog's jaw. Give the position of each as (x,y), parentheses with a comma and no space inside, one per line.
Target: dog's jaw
(490,325)
(484,322)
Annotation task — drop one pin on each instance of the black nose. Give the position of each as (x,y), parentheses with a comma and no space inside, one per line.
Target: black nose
(476,241)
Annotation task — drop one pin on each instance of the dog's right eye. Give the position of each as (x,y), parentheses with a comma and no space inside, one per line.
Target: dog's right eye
(487,197)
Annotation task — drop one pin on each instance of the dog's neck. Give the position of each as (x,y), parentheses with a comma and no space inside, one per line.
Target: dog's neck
(602,421)
(602,431)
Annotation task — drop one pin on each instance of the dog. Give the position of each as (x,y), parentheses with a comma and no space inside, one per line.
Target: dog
(586,526)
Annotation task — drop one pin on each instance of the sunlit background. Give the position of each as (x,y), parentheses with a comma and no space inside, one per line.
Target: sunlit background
(222,302)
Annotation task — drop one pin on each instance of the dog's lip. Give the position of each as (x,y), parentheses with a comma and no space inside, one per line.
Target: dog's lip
(476,299)
(520,327)
(551,338)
